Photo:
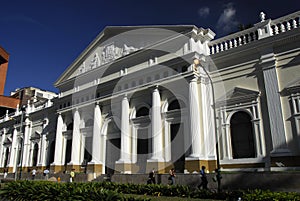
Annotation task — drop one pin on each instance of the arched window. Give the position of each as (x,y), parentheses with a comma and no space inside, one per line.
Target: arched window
(35,154)
(70,127)
(89,123)
(176,105)
(142,112)
(242,136)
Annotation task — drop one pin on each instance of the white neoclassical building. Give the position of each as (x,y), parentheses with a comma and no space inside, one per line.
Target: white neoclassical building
(143,97)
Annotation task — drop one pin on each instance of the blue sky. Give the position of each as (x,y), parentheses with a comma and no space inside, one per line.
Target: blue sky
(43,37)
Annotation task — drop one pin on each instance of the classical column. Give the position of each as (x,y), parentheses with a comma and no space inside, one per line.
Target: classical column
(194,118)
(26,144)
(13,151)
(58,142)
(156,126)
(96,135)
(76,139)
(208,139)
(42,152)
(268,64)
(2,138)
(125,134)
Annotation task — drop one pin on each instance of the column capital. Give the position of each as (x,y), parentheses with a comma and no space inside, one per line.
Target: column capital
(192,78)
(154,88)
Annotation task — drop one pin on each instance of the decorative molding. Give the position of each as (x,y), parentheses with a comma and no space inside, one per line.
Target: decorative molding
(237,96)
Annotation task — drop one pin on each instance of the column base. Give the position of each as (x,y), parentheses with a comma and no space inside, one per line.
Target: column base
(280,152)
(57,168)
(10,169)
(70,166)
(122,167)
(94,168)
(193,164)
(159,166)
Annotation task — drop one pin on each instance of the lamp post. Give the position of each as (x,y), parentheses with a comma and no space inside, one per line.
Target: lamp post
(218,174)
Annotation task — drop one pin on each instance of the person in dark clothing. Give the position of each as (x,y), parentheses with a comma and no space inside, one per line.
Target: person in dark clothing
(172,176)
(151,179)
(204,181)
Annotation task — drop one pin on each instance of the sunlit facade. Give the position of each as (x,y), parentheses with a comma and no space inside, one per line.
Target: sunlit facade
(144,97)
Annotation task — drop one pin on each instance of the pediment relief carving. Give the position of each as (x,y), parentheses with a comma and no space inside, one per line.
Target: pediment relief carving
(106,54)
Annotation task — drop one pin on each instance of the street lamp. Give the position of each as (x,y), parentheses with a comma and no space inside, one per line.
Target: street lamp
(218,173)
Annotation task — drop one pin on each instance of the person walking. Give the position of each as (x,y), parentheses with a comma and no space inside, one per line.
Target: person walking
(204,180)
(172,176)
(151,179)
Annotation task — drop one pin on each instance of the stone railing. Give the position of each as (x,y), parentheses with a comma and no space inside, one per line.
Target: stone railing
(263,29)
(28,109)
(286,23)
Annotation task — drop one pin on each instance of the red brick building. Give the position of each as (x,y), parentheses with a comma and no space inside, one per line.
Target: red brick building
(6,103)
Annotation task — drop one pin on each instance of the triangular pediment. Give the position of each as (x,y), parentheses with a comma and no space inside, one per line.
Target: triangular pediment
(292,87)
(114,43)
(36,135)
(237,95)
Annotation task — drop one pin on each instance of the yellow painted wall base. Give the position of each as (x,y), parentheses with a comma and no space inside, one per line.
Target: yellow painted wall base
(94,168)
(57,168)
(195,165)
(123,167)
(159,167)
(77,168)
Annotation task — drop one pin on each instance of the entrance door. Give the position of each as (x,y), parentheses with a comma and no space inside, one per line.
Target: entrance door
(242,137)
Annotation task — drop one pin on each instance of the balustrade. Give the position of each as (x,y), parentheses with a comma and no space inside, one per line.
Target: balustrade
(280,25)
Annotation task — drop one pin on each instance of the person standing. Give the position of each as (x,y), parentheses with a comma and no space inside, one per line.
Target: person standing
(5,173)
(33,173)
(204,181)
(172,176)
(46,173)
(72,175)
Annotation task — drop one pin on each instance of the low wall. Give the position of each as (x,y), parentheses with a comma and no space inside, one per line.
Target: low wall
(274,181)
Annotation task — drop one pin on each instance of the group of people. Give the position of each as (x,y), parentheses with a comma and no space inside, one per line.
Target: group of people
(172,175)
(45,173)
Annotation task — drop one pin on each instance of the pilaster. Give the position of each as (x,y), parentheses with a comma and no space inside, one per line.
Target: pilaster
(268,65)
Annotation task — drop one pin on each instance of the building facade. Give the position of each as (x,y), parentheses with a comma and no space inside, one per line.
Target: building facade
(7,104)
(146,97)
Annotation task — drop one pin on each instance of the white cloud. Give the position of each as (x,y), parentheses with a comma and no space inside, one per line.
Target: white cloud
(204,11)
(227,21)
